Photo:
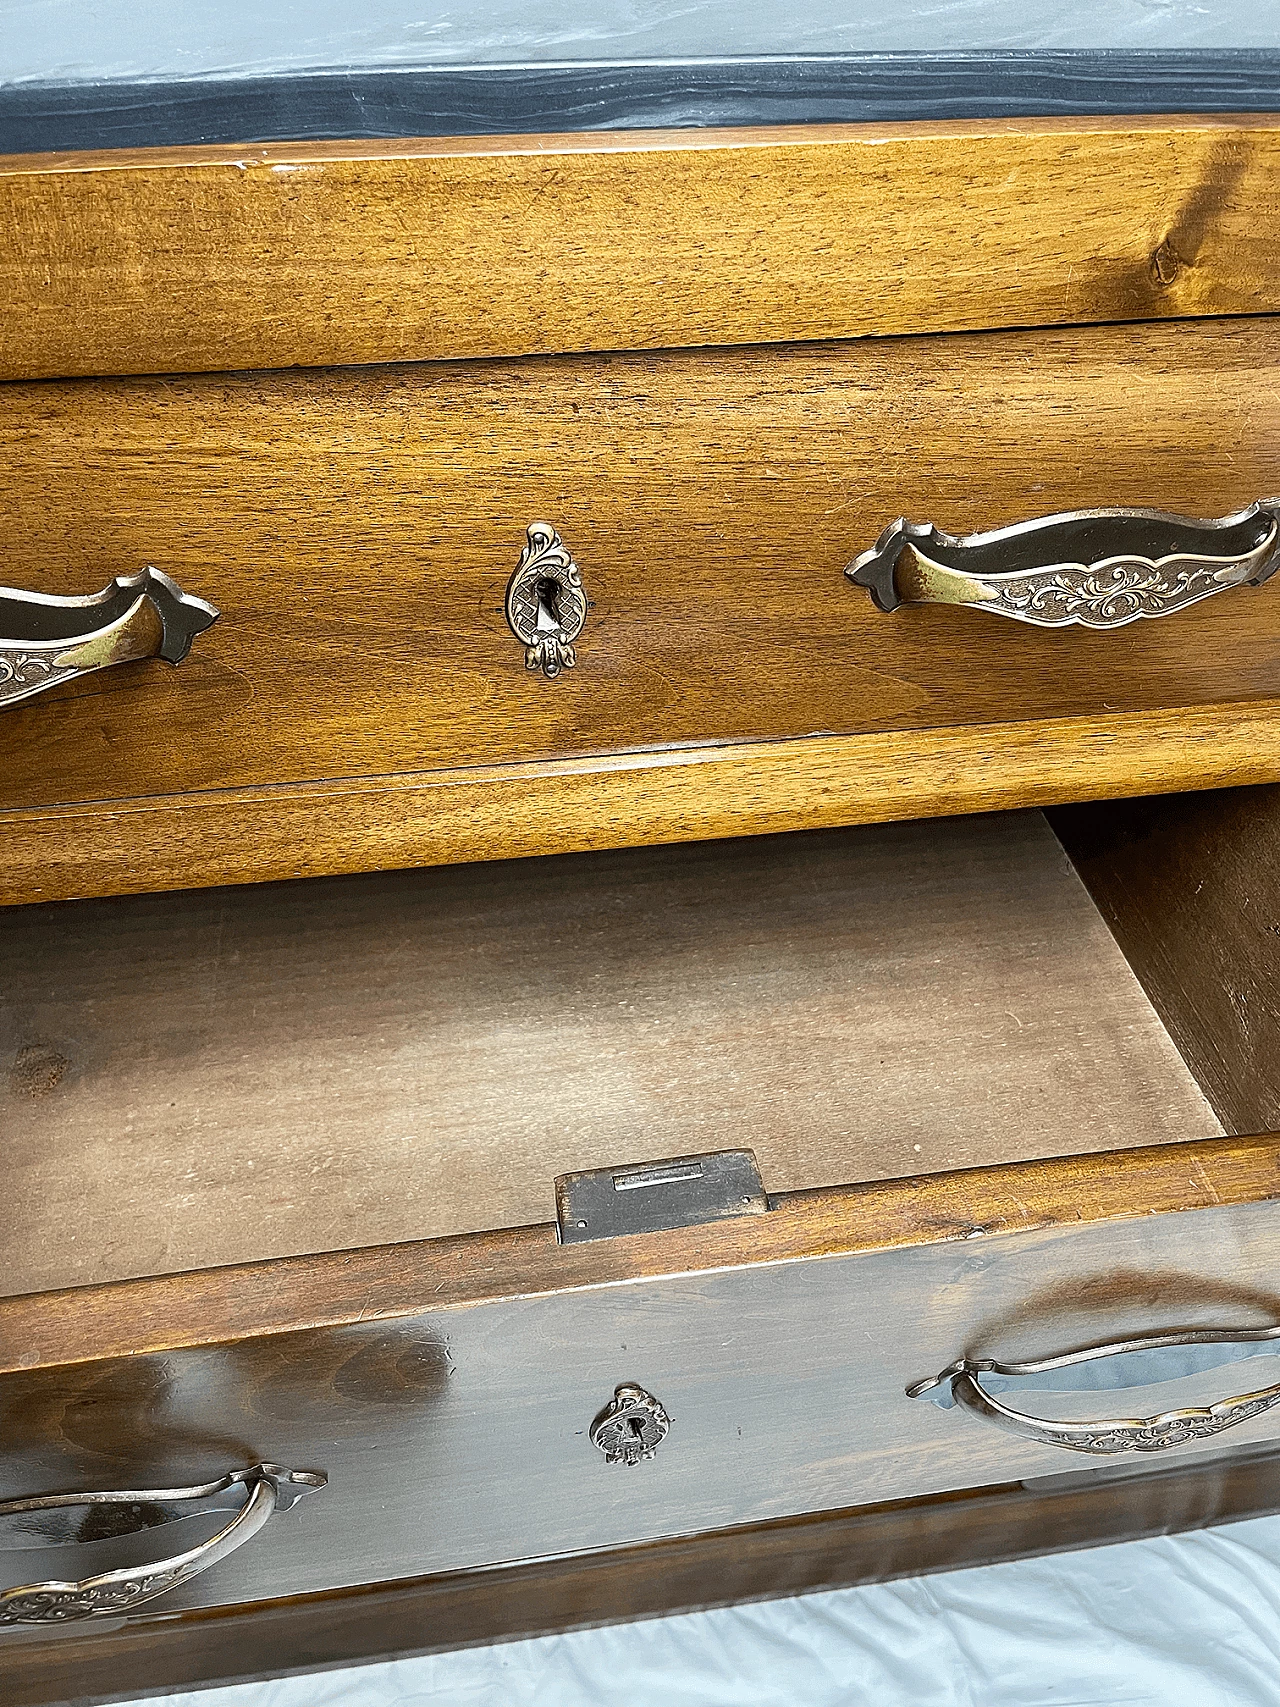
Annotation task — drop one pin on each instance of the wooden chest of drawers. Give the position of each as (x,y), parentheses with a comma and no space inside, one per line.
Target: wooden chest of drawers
(282,1161)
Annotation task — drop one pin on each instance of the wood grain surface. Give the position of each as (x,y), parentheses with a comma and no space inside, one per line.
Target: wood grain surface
(357,529)
(304,254)
(627,800)
(1191,887)
(281,1070)
(833,1549)
(457,1436)
(48,1330)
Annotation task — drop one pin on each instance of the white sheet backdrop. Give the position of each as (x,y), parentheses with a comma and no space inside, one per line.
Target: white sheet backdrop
(61,40)
(1187,1621)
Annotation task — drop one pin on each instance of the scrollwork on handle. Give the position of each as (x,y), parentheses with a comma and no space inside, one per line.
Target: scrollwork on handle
(45,640)
(270,1488)
(1097,568)
(1160,1357)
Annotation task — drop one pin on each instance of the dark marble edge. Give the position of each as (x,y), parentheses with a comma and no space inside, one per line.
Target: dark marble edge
(514,100)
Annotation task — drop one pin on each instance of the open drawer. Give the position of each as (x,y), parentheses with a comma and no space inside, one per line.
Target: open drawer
(279,1186)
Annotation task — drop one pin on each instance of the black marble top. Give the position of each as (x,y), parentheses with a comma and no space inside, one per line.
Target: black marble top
(517,100)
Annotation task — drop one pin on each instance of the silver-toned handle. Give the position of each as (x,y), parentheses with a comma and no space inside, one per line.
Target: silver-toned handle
(46,640)
(1097,568)
(973,1383)
(270,1488)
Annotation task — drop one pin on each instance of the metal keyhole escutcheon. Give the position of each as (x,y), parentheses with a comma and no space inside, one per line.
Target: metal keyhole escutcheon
(546,604)
(632,1426)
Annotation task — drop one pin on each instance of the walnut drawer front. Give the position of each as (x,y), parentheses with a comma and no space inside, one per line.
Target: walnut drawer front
(455,1434)
(363,702)
(182,259)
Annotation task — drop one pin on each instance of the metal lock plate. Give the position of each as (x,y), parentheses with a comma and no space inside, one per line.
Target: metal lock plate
(654,1197)
(631,1427)
(546,603)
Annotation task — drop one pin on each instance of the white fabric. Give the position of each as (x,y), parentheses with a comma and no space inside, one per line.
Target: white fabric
(1186,1621)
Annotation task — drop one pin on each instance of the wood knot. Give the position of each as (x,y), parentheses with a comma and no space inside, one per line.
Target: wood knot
(1166,264)
(36,1071)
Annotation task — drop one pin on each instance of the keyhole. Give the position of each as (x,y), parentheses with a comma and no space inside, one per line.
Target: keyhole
(547,593)
(636,1427)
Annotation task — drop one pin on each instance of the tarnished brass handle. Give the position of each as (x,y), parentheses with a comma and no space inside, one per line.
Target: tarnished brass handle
(45,640)
(270,1488)
(973,1383)
(1098,568)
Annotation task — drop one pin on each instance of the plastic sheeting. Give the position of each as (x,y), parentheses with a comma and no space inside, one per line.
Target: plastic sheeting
(64,40)
(1184,1621)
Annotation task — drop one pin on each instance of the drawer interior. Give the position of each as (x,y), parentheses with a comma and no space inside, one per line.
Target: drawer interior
(216,1077)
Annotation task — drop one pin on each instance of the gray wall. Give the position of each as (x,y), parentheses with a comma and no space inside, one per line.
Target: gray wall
(57,40)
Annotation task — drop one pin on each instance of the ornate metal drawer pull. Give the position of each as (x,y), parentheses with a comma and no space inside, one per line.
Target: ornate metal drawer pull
(46,640)
(1158,1357)
(270,1488)
(546,604)
(1098,568)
